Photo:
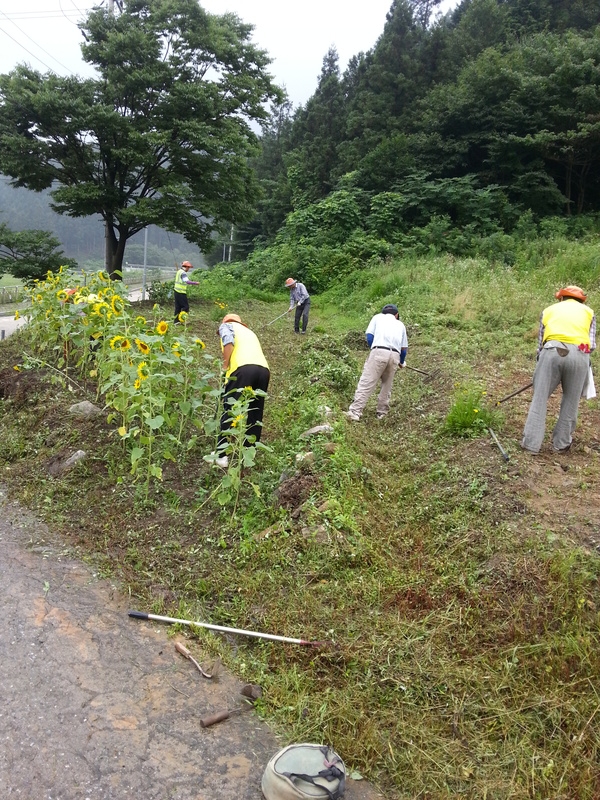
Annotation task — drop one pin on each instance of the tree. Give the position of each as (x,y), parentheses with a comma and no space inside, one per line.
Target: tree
(162,135)
(29,255)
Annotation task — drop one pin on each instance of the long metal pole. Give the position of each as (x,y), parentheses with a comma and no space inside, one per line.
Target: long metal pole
(514,394)
(271,636)
(145,262)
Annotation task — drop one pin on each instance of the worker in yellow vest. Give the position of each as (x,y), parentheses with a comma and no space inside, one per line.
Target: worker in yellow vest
(180,289)
(245,366)
(567,336)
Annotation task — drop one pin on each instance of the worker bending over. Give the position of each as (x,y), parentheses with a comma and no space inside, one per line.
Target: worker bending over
(566,338)
(386,336)
(245,367)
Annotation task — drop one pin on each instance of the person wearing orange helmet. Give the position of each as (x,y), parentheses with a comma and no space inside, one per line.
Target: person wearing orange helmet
(245,367)
(180,289)
(300,300)
(567,336)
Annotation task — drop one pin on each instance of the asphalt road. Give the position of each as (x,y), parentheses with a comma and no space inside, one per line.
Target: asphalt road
(97,706)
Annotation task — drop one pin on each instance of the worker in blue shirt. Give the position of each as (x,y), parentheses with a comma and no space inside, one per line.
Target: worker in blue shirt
(386,336)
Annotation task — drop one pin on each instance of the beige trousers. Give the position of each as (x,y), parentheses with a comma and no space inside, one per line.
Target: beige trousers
(380,365)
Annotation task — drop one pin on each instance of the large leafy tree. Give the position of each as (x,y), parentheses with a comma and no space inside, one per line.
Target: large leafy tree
(161,136)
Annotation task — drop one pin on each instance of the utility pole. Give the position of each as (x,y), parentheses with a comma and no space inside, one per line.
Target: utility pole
(107,247)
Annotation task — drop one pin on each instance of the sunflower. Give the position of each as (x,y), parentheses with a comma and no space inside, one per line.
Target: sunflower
(235,422)
(142,347)
(114,341)
(140,320)
(117,304)
(162,327)
(102,276)
(182,316)
(200,343)
(39,298)
(143,371)
(100,309)
(17,315)
(125,344)
(137,383)
(62,295)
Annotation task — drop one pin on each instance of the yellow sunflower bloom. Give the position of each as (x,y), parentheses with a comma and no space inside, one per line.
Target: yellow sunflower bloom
(200,343)
(125,344)
(102,276)
(39,298)
(137,383)
(142,347)
(17,315)
(143,371)
(162,327)
(117,304)
(182,316)
(114,341)
(140,320)
(237,420)
(62,295)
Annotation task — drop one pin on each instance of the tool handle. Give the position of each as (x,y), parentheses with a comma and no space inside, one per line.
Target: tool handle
(181,648)
(212,719)
(138,615)
(421,371)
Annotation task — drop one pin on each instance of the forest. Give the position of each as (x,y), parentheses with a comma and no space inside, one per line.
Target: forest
(464,134)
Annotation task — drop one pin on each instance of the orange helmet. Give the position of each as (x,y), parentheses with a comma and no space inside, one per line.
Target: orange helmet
(186,264)
(290,282)
(231,318)
(572,291)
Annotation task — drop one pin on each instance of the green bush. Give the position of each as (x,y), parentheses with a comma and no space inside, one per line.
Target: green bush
(469,415)
(161,292)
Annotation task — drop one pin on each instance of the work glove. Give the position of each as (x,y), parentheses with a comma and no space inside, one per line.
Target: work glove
(402,365)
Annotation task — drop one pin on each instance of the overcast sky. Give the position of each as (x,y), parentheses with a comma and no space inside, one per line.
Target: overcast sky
(44,34)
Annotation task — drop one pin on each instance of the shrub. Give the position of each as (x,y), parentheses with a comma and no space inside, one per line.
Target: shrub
(469,415)
(161,292)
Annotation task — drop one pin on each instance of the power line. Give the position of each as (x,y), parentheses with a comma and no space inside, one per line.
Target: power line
(38,45)
(37,58)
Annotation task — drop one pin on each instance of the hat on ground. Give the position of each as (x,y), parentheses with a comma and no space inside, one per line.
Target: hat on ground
(290,282)
(572,291)
(390,309)
(231,318)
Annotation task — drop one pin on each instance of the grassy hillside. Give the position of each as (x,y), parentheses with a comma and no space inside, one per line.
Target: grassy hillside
(460,593)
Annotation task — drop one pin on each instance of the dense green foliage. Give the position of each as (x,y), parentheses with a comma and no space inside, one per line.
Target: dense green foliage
(161,136)
(450,133)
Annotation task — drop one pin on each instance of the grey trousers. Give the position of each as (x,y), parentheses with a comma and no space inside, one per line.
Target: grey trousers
(380,365)
(571,372)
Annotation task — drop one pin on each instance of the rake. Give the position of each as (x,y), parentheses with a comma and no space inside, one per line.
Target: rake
(276,318)
(514,394)
(429,376)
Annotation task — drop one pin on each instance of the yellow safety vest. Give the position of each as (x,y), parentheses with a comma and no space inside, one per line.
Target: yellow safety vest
(246,349)
(180,286)
(568,321)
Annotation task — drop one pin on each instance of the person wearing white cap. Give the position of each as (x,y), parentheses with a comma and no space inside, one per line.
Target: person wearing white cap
(386,336)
